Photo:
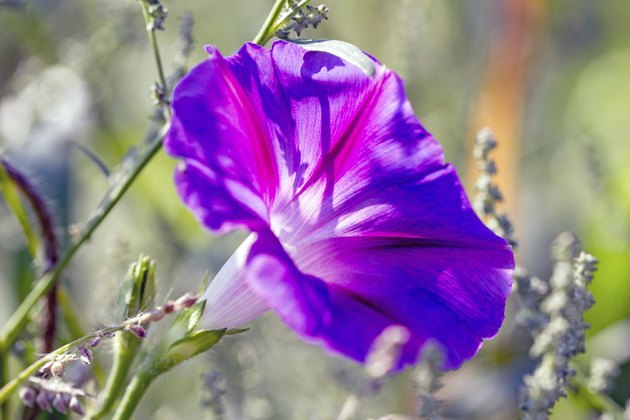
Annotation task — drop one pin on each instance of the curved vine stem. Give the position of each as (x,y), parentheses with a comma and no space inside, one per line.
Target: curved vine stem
(275,22)
(19,318)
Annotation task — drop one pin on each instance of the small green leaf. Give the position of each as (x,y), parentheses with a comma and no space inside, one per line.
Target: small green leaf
(184,323)
(204,283)
(92,156)
(188,347)
(194,315)
(235,331)
(126,292)
(349,52)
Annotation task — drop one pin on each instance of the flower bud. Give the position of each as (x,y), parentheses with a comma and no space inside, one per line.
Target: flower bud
(137,330)
(143,319)
(76,406)
(46,369)
(185,301)
(169,306)
(59,403)
(156,315)
(43,400)
(57,368)
(95,342)
(28,395)
(86,355)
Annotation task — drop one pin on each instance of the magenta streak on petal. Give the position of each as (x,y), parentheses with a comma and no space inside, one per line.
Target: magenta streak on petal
(263,154)
(346,149)
(338,157)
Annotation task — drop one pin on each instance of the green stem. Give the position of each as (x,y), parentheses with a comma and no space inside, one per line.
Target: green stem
(4,376)
(133,394)
(156,50)
(10,387)
(266,31)
(19,318)
(272,24)
(126,346)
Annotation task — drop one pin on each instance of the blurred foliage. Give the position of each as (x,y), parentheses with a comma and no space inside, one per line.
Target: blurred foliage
(81,70)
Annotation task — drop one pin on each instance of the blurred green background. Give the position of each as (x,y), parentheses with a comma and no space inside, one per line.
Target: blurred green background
(551,78)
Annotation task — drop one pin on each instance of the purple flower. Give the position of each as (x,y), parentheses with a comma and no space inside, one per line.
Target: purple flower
(357,224)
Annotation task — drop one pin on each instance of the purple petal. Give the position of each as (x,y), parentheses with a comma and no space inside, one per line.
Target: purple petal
(393,204)
(329,100)
(288,123)
(216,125)
(317,311)
(218,202)
(383,177)
(356,287)
(453,293)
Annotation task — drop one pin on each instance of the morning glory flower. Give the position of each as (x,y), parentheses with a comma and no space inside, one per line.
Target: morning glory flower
(356,222)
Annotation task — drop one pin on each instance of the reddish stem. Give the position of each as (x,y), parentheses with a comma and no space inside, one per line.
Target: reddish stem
(49,244)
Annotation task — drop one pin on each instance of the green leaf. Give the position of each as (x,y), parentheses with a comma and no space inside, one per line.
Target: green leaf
(193,315)
(235,331)
(184,323)
(205,282)
(188,347)
(349,52)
